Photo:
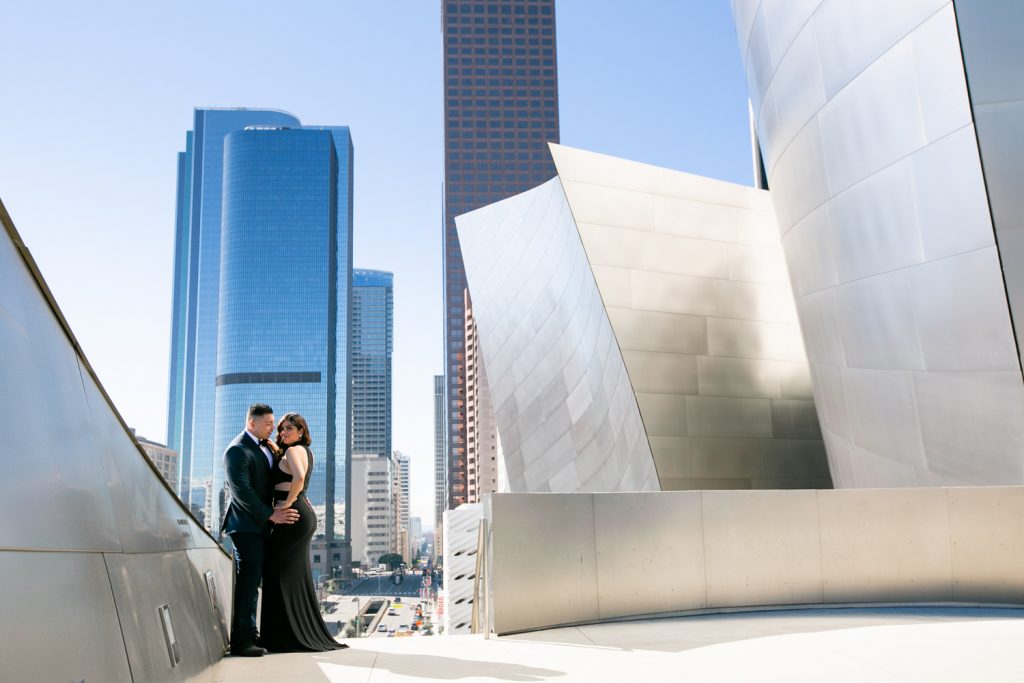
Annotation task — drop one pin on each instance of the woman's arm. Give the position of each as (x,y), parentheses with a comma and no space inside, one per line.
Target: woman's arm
(297,463)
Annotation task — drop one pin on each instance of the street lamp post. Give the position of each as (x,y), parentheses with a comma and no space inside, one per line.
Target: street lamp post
(358,618)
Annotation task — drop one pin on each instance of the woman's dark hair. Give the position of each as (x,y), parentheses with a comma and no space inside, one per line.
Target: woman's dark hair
(297,421)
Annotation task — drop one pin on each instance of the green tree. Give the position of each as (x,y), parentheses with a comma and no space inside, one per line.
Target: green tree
(392,560)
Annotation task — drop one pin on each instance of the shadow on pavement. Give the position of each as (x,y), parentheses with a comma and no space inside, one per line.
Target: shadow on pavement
(433,667)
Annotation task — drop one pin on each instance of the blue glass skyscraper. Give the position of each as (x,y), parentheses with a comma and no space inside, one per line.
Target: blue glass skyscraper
(281,316)
(372,343)
(193,363)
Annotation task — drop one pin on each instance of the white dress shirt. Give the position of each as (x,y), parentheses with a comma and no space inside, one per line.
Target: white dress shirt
(266,451)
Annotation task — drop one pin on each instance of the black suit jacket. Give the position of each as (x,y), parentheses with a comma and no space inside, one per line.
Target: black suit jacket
(252,494)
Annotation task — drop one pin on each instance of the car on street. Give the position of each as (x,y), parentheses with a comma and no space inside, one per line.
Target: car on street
(382,629)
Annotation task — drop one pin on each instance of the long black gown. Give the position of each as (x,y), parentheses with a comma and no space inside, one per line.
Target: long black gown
(290,618)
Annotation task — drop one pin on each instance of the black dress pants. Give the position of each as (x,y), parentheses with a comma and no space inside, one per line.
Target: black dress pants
(250,550)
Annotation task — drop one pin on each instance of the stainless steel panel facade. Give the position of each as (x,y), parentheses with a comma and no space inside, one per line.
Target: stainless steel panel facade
(143,582)
(149,517)
(557,376)
(673,292)
(83,484)
(60,489)
(576,558)
(60,620)
(872,156)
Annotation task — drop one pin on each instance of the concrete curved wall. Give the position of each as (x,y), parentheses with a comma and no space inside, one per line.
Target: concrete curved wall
(95,540)
(616,555)
(865,121)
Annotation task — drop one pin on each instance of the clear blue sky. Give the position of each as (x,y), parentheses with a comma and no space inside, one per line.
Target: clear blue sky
(97,97)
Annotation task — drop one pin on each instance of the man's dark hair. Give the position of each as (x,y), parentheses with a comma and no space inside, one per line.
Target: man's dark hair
(259,410)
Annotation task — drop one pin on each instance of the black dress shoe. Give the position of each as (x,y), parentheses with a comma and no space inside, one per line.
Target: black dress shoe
(248,651)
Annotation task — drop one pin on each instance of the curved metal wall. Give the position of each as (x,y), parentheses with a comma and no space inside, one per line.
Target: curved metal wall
(624,305)
(863,114)
(700,551)
(566,415)
(96,541)
(691,274)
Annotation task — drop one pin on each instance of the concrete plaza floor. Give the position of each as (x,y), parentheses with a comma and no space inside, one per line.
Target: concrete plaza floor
(870,644)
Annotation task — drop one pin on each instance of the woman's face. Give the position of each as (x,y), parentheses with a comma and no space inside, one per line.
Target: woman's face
(289,434)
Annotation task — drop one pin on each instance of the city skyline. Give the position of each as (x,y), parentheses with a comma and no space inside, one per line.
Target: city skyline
(112,236)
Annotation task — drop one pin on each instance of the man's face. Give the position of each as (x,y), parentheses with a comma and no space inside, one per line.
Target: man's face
(262,426)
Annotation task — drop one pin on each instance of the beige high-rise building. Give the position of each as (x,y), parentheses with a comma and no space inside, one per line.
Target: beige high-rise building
(400,494)
(372,516)
(163,458)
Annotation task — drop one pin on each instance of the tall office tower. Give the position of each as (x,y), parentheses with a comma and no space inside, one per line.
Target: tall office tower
(400,474)
(196,293)
(285,205)
(373,520)
(415,535)
(440,464)
(500,111)
(481,427)
(372,342)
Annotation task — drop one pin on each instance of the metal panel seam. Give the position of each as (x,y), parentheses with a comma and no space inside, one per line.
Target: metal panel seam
(113,600)
(604,305)
(984,180)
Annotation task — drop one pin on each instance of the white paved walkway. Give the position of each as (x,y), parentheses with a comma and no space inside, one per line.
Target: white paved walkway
(814,645)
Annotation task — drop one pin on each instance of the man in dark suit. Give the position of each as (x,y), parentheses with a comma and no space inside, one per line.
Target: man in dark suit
(248,519)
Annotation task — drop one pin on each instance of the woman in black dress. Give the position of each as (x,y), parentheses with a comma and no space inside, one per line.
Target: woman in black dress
(290,618)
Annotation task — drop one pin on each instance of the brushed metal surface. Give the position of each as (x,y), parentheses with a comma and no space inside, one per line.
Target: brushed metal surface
(883,415)
(885,545)
(650,553)
(85,485)
(149,517)
(876,320)
(555,371)
(950,198)
(865,120)
(761,547)
(210,565)
(968,288)
(552,550)
(631,292)
(969,424)
(143,582)
(61,624)
(59,490)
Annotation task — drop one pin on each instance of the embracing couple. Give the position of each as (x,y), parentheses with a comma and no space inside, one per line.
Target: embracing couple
(271,524)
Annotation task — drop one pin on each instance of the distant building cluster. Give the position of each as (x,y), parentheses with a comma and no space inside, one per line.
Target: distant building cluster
(163,458)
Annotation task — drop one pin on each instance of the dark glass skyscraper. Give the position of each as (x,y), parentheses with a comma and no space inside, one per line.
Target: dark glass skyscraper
(281,317)
(500,111)
(372,343)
